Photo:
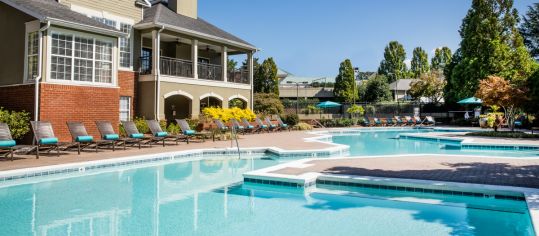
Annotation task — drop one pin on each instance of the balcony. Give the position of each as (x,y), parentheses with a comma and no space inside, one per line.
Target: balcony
(210,72)
(168,66)
(240,76)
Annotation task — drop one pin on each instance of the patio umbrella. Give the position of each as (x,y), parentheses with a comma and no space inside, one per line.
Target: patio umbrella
(470,100)
(327,104)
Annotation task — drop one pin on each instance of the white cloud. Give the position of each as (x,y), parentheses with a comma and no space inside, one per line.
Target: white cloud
(408,63)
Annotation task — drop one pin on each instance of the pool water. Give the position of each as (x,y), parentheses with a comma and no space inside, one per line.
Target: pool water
(206,197)
(371,143)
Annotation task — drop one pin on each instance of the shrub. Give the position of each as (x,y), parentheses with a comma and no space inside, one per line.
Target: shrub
(122,130)
(193,123)
(303,126)
(225,114)
(142,127)
(18,122)
(268,103)
(291,119)
(356,110)
(173,128)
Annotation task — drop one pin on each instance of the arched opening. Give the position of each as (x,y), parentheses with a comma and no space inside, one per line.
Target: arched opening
(177,107)
(210,101)
(237,102)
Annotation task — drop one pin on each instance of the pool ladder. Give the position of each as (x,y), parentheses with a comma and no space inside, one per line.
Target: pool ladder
(234,137)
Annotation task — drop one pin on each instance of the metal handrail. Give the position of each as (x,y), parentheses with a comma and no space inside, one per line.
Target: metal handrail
(210,71)
(176,67)
(238,76)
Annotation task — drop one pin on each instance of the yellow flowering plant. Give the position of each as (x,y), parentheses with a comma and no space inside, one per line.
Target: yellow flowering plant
(225,114)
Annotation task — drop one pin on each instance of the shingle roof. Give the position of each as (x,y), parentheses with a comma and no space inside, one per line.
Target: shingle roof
(50,9)
(160,14)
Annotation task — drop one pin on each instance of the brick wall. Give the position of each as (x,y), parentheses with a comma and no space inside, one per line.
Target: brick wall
(18,98)
(62,103)
(127,81)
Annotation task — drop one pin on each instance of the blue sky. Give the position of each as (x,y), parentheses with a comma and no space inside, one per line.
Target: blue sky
(311,37)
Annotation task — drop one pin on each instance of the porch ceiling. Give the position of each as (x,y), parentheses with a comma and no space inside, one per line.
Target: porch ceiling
(188,41)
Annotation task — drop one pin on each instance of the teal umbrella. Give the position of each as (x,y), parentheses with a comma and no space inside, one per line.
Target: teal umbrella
(327,104)
(470,100)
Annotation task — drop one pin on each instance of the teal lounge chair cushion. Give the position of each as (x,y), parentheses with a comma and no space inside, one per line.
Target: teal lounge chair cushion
(111,137)
(518,123)
(161,134)
(264,126)
(250,127)
(7,143)
(240,127)
(137,136)
(84,139)
(273,126)
(48,141)
(189,132)
(284,125)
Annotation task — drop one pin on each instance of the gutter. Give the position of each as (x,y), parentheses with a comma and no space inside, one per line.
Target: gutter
(158,72)
(39,67)
(73,25)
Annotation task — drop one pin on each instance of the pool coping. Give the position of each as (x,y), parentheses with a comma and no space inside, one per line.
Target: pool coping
(309,179)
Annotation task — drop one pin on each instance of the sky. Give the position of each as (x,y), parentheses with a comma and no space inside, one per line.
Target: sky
(311,37)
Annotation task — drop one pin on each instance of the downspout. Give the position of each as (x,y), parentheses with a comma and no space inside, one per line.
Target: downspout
(39,66)
(158,72)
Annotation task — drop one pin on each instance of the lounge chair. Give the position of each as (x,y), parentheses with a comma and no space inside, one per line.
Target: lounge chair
(417,120)
(282,124)
(107,133)
(189,133)
(161,135)
(237,126)
(390,122)
(221,127)
(399,121)
(7,144)
(409,121)
(378,122)
(247,125)
(271,126)
(83,139)
(132,132)
(261,125)
(429,120)
(45,138)
(366,121)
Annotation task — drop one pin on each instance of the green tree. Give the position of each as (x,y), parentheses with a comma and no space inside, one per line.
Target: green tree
(530,29)
(231,64)
(533,86)
(377,90)
(267,103)
(420,62)
(491,45)
(265,78)
(392,66)
(429,85)
(441,59)
(344,87)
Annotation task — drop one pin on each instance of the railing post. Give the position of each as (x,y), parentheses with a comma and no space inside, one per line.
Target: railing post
(194,57)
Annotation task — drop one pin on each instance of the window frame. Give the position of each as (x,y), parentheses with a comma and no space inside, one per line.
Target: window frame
(30,27)
(128,110)
(94,38)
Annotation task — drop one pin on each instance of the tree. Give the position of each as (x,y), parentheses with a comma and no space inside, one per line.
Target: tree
(268,103)
(265,78)
(429,85)
(533,85)
(496,91)
(530,29)
(344,87)
(377,90)
(442,58)
(491,45)
(231,64)
(420,62)
(393,66)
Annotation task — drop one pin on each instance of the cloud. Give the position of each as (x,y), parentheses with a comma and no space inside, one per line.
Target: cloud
(408,63)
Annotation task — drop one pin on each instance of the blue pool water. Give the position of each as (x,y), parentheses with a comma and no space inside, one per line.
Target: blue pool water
(206,197)
(387,143)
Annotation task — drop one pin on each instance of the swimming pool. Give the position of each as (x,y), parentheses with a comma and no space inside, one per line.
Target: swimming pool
(387,142)
(207,197)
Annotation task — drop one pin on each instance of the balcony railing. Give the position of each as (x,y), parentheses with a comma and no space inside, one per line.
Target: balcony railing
(210,72)
(168,66)
(238,76)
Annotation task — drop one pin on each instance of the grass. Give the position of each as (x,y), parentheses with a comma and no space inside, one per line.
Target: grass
(503,134)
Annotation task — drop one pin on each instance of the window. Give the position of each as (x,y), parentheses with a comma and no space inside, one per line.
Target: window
(32,55)
(125,46)
(109,22)
(80,58)
(125,108)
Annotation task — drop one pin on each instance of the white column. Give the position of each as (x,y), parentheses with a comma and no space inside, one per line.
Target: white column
(224,62)
(155,52)
(251,76)
(194,57)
